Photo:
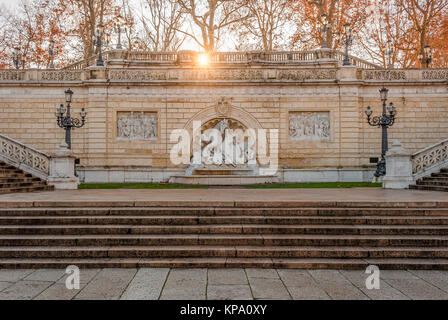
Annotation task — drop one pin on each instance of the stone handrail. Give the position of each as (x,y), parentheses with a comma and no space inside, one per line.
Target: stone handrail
(24,157)
(434,156)
(221,57)
(81,65)
(12,75)
(360,63)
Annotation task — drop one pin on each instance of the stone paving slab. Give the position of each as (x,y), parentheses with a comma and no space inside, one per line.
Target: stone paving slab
(108,284)
(266,288)
(14,275)
(222,284)
(386,292)
(227,277)
(185,284)
(50,275)
(229,292)
(24,290)
(146,285)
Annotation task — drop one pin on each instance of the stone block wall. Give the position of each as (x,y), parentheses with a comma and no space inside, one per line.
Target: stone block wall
(339,150)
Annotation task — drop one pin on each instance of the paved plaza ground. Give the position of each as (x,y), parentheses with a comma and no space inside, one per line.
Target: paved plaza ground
(222,196)
(222,284)
(225,284)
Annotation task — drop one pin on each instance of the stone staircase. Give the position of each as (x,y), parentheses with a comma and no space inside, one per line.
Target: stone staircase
(435,182)
(301,235)
(15,180)
(223,177)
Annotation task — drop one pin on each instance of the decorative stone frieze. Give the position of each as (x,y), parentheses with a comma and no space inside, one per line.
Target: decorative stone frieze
(137,126)
(309,126)
(384,75)
(61,75)
(137,75)
(311,74)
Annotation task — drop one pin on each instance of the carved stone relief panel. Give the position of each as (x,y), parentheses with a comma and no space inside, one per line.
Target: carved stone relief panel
(314,126)
(137,126)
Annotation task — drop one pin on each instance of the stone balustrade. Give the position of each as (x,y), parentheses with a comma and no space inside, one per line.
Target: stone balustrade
(430,159)
(24,157)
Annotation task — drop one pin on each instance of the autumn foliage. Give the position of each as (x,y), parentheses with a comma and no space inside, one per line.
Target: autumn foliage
(212,24)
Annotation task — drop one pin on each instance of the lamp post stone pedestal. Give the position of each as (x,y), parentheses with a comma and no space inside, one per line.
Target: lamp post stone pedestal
(398,168)
(62,169)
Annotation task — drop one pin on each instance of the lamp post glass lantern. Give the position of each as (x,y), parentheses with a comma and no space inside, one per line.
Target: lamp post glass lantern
(348,41)
(120,26)
(389,54)
(426,56)
(387,119)
(326,26)
(64,119)
(15,57)
(51,53)
(99,43)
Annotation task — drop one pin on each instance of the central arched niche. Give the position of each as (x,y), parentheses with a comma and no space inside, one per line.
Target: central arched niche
(224,110)
(220,116)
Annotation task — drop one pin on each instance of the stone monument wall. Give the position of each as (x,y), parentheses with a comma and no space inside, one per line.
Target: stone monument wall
(319,111)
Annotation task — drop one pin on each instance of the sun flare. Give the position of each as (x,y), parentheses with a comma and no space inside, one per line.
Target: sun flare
(203,60)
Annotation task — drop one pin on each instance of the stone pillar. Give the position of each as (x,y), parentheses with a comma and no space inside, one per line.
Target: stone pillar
(398,168)
(62,169)
(348,73)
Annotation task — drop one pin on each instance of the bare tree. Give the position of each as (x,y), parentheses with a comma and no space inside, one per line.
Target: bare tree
(425,15)
(264,22)
(82,19)
(161,25)
(30,28)
(211,17)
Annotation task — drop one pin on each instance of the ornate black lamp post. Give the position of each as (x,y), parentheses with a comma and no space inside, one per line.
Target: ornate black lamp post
(51,53)
(326,26)
(15,57)
(65,121)
(389,54)
(120,25)
(348,41)
(99,44)
(384,121)
(426,56)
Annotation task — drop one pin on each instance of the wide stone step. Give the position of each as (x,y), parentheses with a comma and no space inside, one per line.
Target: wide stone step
(11,174)
(6,171)
(223,229)
(433,182)
(15,185)
(18,179)
(223,172)
(282,263)
(26,189)
(429,187)
(220,251)
(442,174)
(218,212)
(224,240)
(224,180)
(220,220)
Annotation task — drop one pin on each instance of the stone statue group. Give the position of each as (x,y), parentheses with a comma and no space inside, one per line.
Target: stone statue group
(225,146)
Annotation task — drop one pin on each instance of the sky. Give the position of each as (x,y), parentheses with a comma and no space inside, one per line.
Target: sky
(9,3)
(227,43)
